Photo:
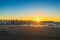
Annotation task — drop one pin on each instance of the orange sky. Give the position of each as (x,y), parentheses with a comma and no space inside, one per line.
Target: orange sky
(31,18)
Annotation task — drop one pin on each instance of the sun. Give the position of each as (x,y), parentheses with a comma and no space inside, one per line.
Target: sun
(38,19)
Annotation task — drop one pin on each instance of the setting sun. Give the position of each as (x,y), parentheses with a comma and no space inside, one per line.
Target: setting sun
(38,19)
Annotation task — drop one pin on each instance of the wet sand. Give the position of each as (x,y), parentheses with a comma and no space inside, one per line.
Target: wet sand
(29,33)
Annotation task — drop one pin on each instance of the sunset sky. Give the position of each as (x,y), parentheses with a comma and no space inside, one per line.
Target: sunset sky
(46,10)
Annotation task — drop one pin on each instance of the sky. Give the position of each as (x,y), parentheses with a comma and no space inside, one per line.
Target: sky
(46,10)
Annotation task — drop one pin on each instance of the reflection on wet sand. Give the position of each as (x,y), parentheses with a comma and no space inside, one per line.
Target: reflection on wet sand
(29,33)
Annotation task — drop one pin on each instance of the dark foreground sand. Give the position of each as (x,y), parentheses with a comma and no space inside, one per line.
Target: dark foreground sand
(29,33)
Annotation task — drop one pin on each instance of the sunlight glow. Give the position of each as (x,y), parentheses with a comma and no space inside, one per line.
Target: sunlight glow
(38,19)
